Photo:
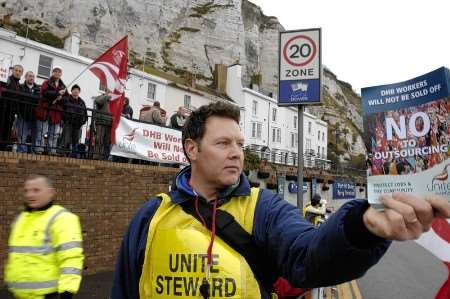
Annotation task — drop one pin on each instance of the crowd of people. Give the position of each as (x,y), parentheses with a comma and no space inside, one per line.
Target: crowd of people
(49,118)
(41,118)
(158,116)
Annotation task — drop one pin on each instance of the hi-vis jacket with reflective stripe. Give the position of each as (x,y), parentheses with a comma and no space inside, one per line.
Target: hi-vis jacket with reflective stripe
(313,214)
(45,253)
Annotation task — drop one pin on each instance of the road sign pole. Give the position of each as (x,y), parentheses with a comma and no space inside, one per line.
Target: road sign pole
(299,82)
(300,158)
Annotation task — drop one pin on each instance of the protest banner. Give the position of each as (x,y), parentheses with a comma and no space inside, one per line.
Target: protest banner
(138,140)
(407,134)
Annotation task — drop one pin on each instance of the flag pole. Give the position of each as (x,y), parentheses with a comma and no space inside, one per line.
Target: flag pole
(79,75)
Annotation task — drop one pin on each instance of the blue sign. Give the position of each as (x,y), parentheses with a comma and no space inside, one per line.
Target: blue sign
(300,67)
(293,187)
(344,190)
(414,92)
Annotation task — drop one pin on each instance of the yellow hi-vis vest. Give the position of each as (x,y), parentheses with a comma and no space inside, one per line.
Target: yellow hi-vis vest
(311,217)
(45,253)
(175,254)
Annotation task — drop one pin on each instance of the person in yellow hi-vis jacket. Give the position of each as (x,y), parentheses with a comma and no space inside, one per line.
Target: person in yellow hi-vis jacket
(45,253)
(315,211)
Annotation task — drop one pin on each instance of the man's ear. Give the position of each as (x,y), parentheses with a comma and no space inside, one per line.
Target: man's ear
(191,148)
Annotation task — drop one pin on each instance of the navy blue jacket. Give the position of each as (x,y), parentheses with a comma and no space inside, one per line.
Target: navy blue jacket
(340,250)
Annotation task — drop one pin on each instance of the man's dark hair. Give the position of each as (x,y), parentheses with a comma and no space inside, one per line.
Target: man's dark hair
(195,125)
(75,86)
(315,200)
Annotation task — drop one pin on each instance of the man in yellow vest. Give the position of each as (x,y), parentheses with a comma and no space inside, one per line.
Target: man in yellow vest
(315,211)
(45,253)
(173,248)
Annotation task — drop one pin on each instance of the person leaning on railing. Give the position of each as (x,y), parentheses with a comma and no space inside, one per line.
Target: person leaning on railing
(49,111)
(74,117)
(7,107)
(26,121)
(103,122)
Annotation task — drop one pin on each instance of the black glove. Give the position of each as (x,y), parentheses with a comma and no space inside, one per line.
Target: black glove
(65,295)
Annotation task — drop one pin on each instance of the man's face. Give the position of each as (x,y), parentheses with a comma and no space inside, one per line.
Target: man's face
(38,193)
(56,73)
(75,92)
(218,158)
(29,78)
(183,111)
(17,72)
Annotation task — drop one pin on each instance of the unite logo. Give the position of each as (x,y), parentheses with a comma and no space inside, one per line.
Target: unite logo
(130,136)
(439,184)
(127,143)
(117,56)
(443,176)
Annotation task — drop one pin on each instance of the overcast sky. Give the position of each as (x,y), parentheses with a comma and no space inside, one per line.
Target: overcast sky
(367,43)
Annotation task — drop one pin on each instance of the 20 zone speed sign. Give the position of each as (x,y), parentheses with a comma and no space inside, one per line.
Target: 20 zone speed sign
(299,67)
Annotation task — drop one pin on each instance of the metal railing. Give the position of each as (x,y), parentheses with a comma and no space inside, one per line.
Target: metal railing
(310,161)
(290,158)
(27,127)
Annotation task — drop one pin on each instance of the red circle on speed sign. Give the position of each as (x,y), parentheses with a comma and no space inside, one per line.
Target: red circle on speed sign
(309,58)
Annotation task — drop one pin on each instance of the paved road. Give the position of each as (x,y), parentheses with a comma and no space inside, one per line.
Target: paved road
(406,271)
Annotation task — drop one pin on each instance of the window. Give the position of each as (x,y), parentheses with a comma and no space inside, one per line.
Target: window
(295,122)
(318,151)
(323,136)
(254,107)
(276,135)
(309,127)
(274,114)
(308,144)
(45,66)
(318,135)
(323,152)
(256,130)
(294,140)
(187,101)
(151,91)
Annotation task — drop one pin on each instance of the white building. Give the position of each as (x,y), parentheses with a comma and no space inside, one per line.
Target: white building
(269,129)
(272,129)
(142,88)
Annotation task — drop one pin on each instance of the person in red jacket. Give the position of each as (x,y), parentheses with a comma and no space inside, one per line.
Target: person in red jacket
(49,111)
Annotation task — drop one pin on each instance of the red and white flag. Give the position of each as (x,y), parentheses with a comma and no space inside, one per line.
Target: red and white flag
(437,241)
(111,68)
